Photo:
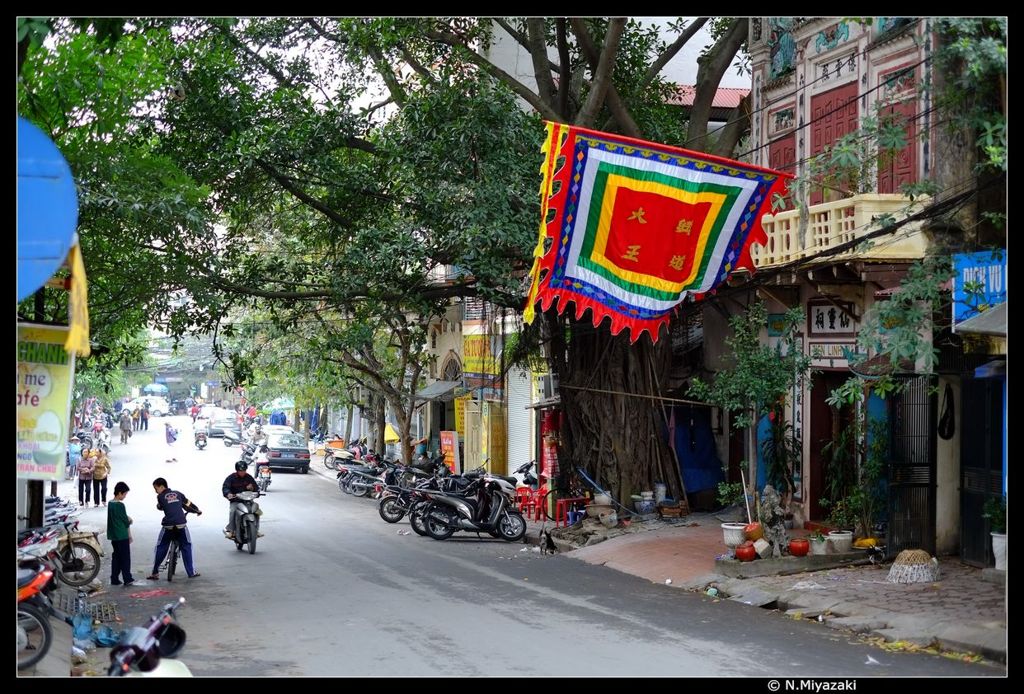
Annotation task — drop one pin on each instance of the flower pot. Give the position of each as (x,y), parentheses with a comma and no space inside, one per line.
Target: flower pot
(799,546)
(754,531)
(819,546)
(842,540)
(999,550)
(746,553)
(733,534)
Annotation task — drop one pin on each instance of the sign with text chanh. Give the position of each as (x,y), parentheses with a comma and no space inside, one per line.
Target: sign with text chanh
(45,377)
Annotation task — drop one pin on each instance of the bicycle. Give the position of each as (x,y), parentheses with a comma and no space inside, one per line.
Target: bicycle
(173,550)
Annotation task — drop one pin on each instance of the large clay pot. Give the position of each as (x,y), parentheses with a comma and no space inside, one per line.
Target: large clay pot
(799,546)
(754,531)
(746,553)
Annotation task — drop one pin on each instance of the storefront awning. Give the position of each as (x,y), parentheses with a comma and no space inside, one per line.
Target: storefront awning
(990,322)
(439,390)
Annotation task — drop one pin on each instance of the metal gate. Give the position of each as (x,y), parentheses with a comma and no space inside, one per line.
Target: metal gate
(912,421)
(981,462)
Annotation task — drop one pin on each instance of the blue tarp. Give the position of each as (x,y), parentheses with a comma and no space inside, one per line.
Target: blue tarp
(695,449)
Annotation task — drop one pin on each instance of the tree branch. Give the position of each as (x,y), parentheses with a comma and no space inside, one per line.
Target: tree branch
(602,76)
(739,123)
(709,75)
(515,85)
(539,54)
(619,111)
(384,70)
(671,51)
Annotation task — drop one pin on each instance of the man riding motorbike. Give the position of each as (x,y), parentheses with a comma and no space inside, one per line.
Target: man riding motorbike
(239,481)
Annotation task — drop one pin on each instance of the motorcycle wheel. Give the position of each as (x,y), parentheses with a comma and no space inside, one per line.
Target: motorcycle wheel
(79,564)
(250,531)
(416,522)
(390,510)
(329,462)
(438,522)
(227,442)
(38,636)
(360,489)
(512,527)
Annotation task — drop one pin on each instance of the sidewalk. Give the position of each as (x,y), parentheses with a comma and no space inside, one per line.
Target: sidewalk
(960,612)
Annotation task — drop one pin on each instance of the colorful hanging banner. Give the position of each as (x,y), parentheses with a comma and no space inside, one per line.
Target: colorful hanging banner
(634,226)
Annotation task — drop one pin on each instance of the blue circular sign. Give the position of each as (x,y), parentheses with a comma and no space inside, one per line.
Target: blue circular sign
(47,208)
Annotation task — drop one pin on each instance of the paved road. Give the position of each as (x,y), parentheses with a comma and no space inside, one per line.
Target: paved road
(333,590)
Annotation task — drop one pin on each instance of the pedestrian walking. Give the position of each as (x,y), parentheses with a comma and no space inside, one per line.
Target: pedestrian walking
(171,434)
(144,418)
(135,418)
(125,424)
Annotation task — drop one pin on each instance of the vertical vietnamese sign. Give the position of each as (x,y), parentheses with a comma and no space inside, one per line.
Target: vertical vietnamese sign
(45,374)
(450,449)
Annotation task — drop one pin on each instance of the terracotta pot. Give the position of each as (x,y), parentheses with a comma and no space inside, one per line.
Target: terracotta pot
(746,553)
(753,531)
(799,546)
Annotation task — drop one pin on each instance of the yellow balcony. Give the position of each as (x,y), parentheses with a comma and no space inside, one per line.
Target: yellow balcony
(831,224)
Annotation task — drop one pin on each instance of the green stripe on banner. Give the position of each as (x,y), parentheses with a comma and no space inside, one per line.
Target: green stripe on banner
(597,196)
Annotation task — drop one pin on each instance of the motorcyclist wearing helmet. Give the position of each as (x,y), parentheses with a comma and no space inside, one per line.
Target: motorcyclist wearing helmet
(239,481)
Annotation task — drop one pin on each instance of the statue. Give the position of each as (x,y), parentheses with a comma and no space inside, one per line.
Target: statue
(773,520)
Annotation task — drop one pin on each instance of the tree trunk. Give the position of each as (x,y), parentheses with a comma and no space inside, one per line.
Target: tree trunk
(348,424)
(620,440)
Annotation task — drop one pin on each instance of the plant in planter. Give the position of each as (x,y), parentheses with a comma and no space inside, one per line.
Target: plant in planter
(730,493)
(819,543)
(994,511)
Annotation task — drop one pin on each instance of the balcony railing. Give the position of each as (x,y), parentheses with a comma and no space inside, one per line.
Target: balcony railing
(833,223)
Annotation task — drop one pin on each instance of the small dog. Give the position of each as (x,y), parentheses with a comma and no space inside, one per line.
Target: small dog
(547,545)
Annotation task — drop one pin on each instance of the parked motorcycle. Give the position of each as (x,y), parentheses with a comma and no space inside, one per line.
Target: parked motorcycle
(35,636)
(200,440)
(487,505)
(148,651)
(243,522)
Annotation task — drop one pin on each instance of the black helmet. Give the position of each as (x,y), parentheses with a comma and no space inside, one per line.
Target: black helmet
(241,465)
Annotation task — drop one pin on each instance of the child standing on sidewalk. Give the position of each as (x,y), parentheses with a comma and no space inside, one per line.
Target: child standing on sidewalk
(120,535)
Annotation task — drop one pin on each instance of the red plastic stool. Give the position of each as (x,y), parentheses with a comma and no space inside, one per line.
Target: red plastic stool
(562,507)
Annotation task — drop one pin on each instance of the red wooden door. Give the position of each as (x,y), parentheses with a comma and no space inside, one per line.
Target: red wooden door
(895,170)
(833,114)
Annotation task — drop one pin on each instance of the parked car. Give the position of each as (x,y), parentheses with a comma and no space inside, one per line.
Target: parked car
(158,406)
(278,429)
(223,421)
(288,450)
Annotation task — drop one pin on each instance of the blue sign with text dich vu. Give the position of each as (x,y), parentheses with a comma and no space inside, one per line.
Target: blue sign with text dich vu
(979,283)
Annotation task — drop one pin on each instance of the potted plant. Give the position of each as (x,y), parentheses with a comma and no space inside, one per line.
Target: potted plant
(819,543)
(995,511)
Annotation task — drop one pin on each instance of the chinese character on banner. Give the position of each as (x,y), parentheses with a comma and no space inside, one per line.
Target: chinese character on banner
(635,226)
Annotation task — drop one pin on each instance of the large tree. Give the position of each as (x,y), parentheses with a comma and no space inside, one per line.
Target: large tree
(382,166)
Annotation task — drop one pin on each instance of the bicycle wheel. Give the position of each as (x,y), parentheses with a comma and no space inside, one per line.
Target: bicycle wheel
(172,560)
(34,635)
(79,564)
